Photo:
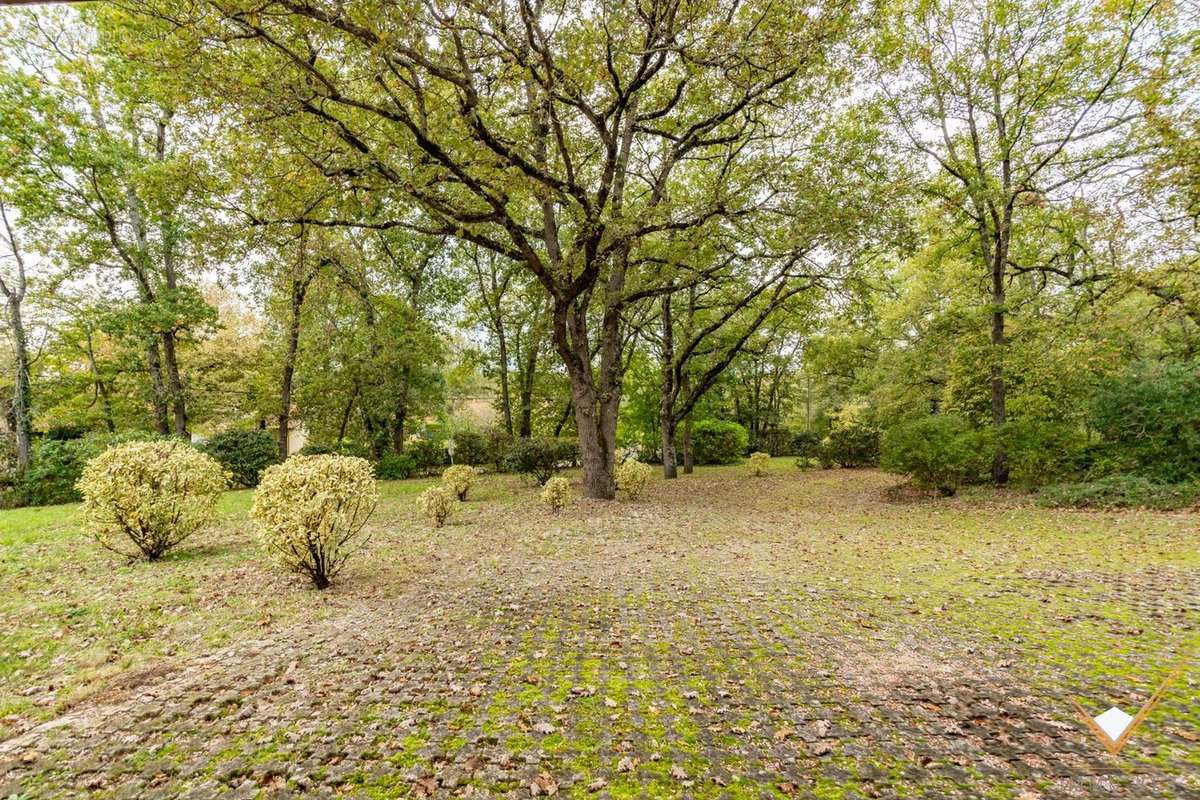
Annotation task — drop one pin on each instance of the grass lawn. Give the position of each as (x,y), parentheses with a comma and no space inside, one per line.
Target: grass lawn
(802,634)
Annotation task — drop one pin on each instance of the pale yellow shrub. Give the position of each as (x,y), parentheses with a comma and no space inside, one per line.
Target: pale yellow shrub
(141,499)
(437,504)
(311,511)
(759,462)
(631,476)
(458,479)
(556,493)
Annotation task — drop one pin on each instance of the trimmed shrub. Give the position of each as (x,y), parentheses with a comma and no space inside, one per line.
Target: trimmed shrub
(395,467)
(1121,491)
(244,453)
(473,448)
(853,439)
(141,499)
(540,458)
(437,504)
(940,452)
(427,455)
(311,511)
(717,441)
(759,462)
(458,479)
(631,476)
(556,493)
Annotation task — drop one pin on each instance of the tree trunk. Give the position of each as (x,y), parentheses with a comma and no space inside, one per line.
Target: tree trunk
(688,458)
(400,415)
(502,356)
(22,394)
(175,386)
(1000,458)
(666,403)
(528,373)
(299,290)
(158,390)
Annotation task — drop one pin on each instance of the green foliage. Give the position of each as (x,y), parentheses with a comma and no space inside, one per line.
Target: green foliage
(1149,422)
(395,467)
(716,441)
(940,452)
(631,476)
(540,458)
(1122,491)
(1040,452)
(344,447)
(436,503)
(499,443)
(806,444)
(311,511)
(474,448)
(245,453)
(151,495)
(427,455)
(457,480)
(853,439)
(58,464)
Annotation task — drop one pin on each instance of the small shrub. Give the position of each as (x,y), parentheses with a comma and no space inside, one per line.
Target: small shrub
(1121,491)
(939,452)
(540,458)
(556,493)
(458,479)
(632,476)
(395,467)
(437,504)
(244,453)
(853,439)
(141,499)
(759,463)
(473,448)
(716,441)
(427,455)
(311,511)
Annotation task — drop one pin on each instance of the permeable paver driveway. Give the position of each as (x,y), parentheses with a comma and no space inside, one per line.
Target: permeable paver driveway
(802,635)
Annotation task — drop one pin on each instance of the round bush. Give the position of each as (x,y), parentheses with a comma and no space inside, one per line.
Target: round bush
(395,467)
(458,479)
(556,493)
(940,452)
(540,458)
(759,462)
(427,455)
(244,453)
(437,504)
(474,448)
(311,511)
(632,476)
(141,499)
(716,441)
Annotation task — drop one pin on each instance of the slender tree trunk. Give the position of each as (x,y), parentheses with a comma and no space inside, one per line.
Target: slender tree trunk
(158,390)
(528,374)
(22,394)
(299,290)
(175,386)
(999,389)
(666,403)
(400,416)
(102,390)
(502,356)
(688,459)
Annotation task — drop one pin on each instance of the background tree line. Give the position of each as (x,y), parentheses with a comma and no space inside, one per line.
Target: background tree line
(667,227)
